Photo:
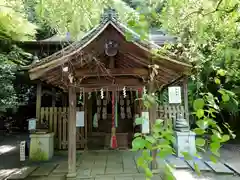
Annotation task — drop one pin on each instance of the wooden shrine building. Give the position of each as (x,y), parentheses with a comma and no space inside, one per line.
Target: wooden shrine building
(103,74)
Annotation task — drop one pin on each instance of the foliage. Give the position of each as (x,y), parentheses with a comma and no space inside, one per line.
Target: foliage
(161,138)
(13,27)
(149,8)
(208,33)
(76,17)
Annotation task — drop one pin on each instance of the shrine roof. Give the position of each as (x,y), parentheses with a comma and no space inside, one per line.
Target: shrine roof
(108,19)
(169,68)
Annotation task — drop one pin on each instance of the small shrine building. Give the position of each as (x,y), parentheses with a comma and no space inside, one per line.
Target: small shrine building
(103,74)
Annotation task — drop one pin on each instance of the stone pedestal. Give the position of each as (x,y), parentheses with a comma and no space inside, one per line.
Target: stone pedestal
(41,147)
(185,142)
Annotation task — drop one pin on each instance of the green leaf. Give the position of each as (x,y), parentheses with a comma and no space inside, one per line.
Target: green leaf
(138,143)
(217,81)
(140,161)
(225,97)
(200,142)
(187,156)
(203,124)
(150,139)
(137,134)
(215,138)
(213,158)
(159,121)
(198,104)
(139,121)
(164,153)
(200,113)
(199,131)
(214,147)
(148,172)
(196,168)
(225,138)
(221,72)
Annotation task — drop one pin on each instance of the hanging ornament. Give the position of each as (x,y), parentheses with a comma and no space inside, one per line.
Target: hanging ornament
(144,90)
(89,95)
(80,99)
(124,92)
(102,94)
(80,94)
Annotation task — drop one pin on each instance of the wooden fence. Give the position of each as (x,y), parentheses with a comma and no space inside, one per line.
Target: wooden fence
(57,119)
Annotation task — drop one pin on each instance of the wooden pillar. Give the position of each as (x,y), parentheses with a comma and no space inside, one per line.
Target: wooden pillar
(152,120)
(86,120)
(185,95)
(72,133)
(38,101)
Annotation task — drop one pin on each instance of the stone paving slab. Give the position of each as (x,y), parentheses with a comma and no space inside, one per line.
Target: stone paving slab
(207,176)
(61,168)
(6,172)
(177,162)
(47,178)
(235,168)
(44,170)
(201,165)
(219,167)
(22,173)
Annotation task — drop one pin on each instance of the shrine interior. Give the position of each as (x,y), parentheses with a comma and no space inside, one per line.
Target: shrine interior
(102,119)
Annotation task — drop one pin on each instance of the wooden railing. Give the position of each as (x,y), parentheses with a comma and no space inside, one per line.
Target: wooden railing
(57,119)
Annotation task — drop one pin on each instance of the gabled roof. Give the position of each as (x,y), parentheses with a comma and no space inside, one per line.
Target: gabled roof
(108,19)
(170,69)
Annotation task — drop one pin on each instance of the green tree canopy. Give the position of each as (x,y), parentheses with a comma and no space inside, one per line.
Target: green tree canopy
(14,26)
(209,33)
(77,16)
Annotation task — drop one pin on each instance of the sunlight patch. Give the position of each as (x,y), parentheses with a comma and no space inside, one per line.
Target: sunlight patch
(186,175)
(6,148)
(7,172)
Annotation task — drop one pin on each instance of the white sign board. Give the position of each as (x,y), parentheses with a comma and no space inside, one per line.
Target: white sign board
(145,124)
(174,95)
(31,124)
(22,151)
(80,119)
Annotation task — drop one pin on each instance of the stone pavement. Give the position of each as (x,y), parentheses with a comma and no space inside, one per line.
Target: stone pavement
(92,165)
(96,165)
(109,165)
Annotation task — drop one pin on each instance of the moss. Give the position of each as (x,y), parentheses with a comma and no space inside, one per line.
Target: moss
(38,155)
(37,152)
